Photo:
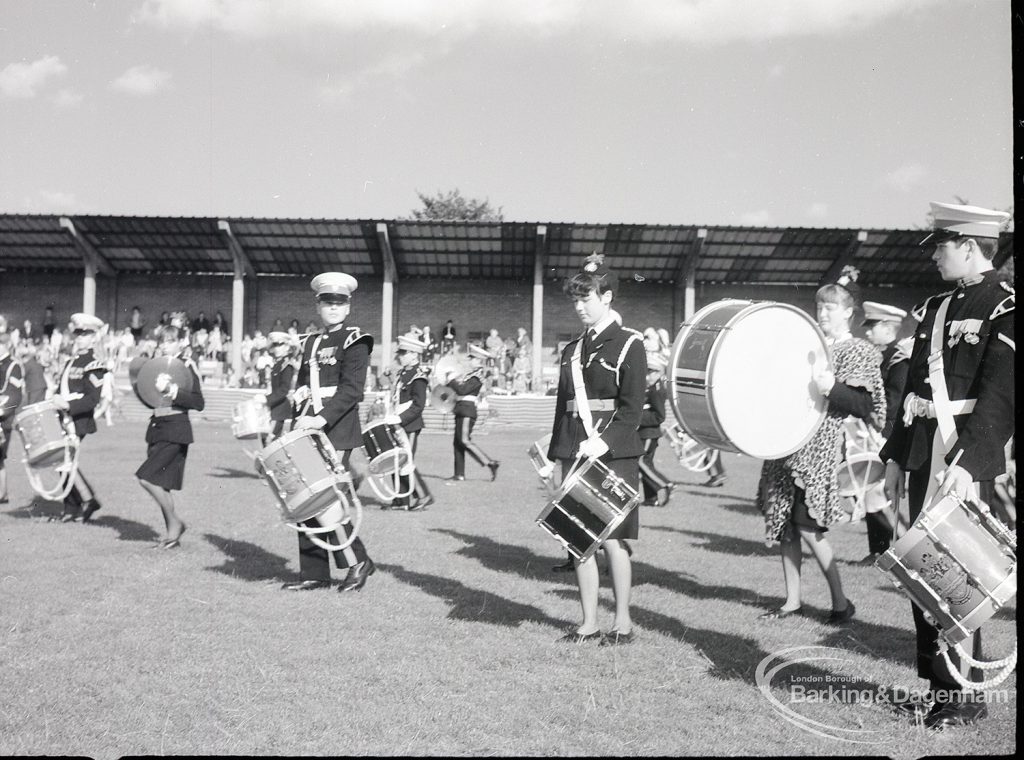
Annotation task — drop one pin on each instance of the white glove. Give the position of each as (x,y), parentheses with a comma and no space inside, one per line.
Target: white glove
(546,471)
(300,395)
(316,422)
(260,398)
(958,481)
(825,379)
(593,448)
(60,402)
(162,381)
(393,419)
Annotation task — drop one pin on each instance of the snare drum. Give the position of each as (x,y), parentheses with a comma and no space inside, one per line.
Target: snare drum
(302,470)
(42,434)
(384,450)
(957,563)
(742,377)
(539,453)
(251,420)
(861,480)
(590,504)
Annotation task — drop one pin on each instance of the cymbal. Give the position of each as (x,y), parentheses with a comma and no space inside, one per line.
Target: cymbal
(145,382)
(442,398)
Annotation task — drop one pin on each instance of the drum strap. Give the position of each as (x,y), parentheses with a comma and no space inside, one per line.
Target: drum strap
(314,377)
(580,391)
(946,436)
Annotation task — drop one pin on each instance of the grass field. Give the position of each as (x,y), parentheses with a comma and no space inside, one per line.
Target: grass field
(110,648)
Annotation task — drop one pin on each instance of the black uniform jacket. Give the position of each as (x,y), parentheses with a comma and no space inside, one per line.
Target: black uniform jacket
(977,353)
(12,387)
(467,385)
(281,375)
(80,384)
(653,413)
(343,356)
(410,389)
(604,377)
(895,366)
(176,428)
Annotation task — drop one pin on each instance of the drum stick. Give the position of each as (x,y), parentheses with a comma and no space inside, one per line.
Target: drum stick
(941,475)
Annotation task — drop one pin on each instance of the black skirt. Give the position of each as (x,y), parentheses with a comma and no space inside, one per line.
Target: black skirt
(164,465)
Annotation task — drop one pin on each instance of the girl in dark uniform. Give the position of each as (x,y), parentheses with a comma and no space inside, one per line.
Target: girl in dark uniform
(283,348)
(168,437)
(612,364)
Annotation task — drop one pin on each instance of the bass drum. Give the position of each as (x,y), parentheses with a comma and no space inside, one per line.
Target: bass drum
(742,377)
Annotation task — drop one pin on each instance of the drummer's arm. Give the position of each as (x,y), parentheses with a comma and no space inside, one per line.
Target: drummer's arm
(279,393)
(191,399)
(86,401)
(621,431)
(846,400)
(351,383)
(418,391)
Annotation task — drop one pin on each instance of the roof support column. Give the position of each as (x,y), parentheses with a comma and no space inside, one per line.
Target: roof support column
(93,263)
(685,294)
(242,267)
(387,294)
(537,328)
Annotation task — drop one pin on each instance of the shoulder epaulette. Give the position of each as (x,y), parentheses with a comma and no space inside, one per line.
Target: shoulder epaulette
(635,332)
(902,352)
(1006,286)
(422,373)
(355,335)
(1003,307)
(94,365)
(919,311)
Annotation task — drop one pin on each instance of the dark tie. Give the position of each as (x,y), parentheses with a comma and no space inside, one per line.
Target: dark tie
(588,342)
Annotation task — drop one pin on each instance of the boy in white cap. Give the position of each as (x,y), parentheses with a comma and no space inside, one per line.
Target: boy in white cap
(12,387)
(957,412)
(657,488)
(79,387)
(408,400)
(882,326)
(331,380)
(283,348)
(467,392)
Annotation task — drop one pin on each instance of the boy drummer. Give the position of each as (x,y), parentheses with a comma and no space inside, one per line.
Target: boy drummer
(78,393)
(657,488)
(601,387)
(408,399)
(169,435)
(283,347)
(467,391)
(332,376)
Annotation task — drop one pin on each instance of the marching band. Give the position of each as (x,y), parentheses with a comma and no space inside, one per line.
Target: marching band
(941,410)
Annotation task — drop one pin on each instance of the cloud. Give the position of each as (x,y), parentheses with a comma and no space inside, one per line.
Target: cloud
(760,218)
(142,80)
(23,80)
(56,202)
(905,178)
(67,98)
(393,66)
(817,210)
(690,20)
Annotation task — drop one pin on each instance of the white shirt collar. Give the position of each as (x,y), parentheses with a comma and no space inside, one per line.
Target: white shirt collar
(602,324)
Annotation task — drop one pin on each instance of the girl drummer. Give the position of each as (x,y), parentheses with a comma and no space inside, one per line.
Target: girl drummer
(283,348)
(169,435)
(611,363)
(798,495)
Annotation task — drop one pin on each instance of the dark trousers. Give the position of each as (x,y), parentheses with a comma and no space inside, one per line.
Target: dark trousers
(314,564)
(930,664)
(464,443)
(879,531)
(651,478)
(419,486)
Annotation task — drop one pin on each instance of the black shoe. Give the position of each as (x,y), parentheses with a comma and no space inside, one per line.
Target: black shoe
(838,617)
(567,567)
(71,516)
(420,504)
(615,638)
(5,500)
(780,613)
(304,585)
(715,481)
(454,479)
(356,577)
(651,502)
(955,713)
(91,507)
(870,559)
(580,638)
(913,707)
(493,467)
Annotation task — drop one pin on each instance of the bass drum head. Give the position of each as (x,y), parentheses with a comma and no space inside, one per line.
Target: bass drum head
(761,380)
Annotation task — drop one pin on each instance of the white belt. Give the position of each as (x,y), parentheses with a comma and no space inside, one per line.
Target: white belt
(327,392)
(467,398)
(915,406)
(596,405)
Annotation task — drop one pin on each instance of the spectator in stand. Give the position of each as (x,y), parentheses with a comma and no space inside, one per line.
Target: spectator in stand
(447,338)
(165,319)
(136,323)
(495,347)
(522,371)
(34,372)
(29,332)
(293,327)
(523,340)
(49,321)
(3,324)
(431,345)
(219,321)
(246,349)
(215,344)
(278,325)
(201,323)
(311,327)
(508,358)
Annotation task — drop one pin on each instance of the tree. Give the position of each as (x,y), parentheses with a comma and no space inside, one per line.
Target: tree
(452,206)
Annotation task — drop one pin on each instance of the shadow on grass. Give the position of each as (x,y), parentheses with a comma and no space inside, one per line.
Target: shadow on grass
(471,604)
(127,530)
(248,561)
(743,508)
(232,472)
(716,542)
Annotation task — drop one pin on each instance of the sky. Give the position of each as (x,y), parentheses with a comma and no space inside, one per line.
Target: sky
(817,113)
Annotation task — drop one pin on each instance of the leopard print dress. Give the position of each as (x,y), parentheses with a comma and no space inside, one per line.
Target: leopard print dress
(856,363)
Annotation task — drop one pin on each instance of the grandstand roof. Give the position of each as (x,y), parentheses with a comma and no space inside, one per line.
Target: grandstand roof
(477,250)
